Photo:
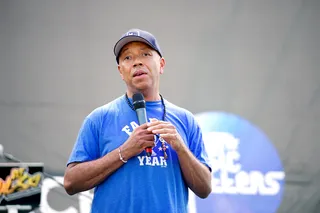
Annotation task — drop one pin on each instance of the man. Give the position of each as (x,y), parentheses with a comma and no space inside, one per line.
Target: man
(109,152)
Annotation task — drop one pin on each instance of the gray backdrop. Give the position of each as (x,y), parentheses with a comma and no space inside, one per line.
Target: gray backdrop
(259,59)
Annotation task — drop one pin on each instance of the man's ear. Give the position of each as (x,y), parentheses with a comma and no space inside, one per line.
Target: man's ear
(120,71)
(162,65)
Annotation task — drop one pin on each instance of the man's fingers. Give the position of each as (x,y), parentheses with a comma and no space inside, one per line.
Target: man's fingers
(156,122)
(168,136)
(161,126)
(149,137)
(144,126)
(164,131)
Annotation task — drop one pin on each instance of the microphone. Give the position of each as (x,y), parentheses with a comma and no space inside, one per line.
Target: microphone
(139,105)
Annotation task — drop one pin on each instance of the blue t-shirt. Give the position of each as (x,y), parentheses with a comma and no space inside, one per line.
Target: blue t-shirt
(144,184)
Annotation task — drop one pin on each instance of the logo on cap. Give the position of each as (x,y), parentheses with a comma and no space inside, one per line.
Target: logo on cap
(133,33)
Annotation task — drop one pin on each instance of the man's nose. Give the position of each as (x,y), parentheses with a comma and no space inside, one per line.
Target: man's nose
(137,62)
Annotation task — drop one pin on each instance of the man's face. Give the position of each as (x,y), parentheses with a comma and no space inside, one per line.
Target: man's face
(140,66)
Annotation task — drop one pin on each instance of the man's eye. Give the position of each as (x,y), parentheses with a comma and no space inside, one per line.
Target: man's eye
(127,58)
(146,54)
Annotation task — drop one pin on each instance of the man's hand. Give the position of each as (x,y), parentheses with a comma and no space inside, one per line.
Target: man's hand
(196,174)
(139,139)
(168,132)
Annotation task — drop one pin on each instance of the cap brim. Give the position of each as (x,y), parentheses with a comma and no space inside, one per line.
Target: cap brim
(125,40)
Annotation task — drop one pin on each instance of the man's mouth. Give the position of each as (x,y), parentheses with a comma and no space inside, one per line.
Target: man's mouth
(139,73)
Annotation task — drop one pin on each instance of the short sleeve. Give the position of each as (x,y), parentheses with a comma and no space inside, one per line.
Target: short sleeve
(86,146)
(195,141)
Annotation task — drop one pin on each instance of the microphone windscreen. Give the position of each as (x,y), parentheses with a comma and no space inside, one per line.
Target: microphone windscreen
(138,101)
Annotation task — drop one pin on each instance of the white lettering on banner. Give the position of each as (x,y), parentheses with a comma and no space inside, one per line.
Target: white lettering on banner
(192,202)
(83,198)
(85,201)
(227,174)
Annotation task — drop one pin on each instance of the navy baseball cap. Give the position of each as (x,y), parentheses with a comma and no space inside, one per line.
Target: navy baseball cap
(136,35)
